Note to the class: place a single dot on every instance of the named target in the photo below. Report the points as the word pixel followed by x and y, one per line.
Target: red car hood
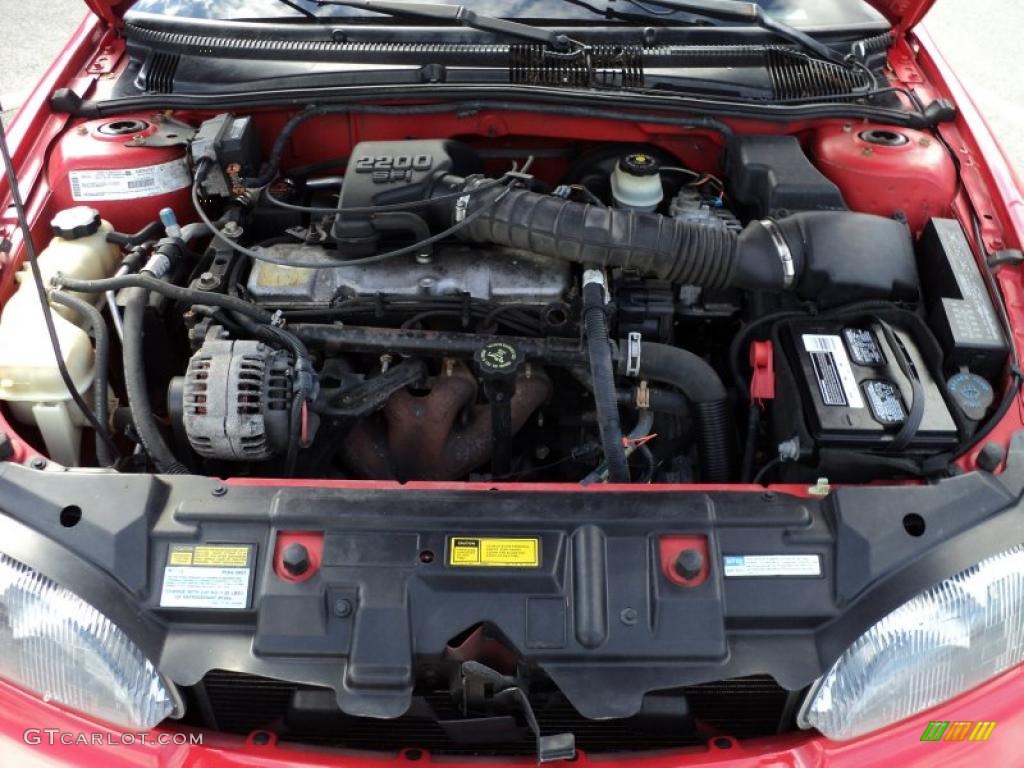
pixel 903 14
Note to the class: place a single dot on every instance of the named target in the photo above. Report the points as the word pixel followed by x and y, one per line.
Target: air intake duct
pixel 830 257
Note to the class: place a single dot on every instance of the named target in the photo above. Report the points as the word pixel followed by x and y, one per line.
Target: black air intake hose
pixel 656 245
pixel 830 257
pixel 700 383
pixel 602 374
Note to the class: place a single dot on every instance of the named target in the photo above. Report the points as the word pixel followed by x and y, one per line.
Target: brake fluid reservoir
pixel 30 381
pixel 636 183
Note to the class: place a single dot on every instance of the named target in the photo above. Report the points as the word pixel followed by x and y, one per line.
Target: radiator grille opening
pixel 240 704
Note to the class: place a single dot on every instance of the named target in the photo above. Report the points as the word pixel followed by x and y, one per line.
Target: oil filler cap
pixel 74 223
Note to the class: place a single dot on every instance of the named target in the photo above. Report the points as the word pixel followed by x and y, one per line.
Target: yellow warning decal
pixel 237 557
pixel 212 555
pixel 494 553
pixel 180 556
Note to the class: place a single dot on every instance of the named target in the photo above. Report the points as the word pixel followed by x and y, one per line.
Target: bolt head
pixel 342 608
pixel 295 559
pixel 991 457
pixel 689 564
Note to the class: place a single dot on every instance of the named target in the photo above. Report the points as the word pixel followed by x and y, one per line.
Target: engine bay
pixel 504 297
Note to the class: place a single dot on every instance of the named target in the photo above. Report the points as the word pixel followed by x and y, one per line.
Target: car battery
pixel 854 391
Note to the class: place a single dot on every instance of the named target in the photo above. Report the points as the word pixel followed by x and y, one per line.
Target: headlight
pixel 59 646
pixel 942 643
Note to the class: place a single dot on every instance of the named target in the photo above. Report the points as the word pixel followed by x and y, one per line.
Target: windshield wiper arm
pixel 460 15
pixel 751 13
pixel 296 7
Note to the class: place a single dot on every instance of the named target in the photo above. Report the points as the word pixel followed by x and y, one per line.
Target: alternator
pixel 237 399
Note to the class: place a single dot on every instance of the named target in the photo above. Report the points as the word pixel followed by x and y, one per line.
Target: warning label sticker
pixel 833 371
pixel 494 552
pixel 207 576
pixel 886 402
pixel 863 347
pixel 129 183
pixel 771 566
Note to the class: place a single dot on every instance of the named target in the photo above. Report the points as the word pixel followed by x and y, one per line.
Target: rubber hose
pixel 678 251
pixel 136 301
pixel 101 382
pixel 602 372
pixel 661 401
pixel 714 441
pixel 830 257
pixel 156 285
pixel 702 386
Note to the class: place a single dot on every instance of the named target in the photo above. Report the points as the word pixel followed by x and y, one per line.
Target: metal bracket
pixel 478 680
pixel 368 396
pixel 169 133
pixel 634 349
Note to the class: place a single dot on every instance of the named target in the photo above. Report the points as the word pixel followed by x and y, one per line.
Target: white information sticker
pixel 833 371
pixel 130 183
pixel 207 576
pixel 193 586
pixel 771 566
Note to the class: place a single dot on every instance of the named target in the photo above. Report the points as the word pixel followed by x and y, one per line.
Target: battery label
pixel 207 576
pixel 833 371
pixel 494 552
pixel 886 402
pixel 771 566
pixel 863 347
pixel 129 183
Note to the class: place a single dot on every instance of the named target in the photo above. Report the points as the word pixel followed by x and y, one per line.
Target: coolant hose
pixel 702 386
pixel 136 301
pixel 602 372
pixel 101 381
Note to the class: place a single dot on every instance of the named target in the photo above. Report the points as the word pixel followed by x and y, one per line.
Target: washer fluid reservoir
pixel 30 381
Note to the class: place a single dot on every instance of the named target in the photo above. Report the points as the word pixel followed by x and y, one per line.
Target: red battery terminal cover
pixel 762 366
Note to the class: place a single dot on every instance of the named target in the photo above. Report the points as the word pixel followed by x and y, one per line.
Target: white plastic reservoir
pixel 30 381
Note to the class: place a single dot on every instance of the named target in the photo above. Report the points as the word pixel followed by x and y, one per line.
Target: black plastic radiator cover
pixel 586 599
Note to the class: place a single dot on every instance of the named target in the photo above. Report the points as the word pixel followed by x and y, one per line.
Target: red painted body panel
pixel 899 745
pixel 92 146
pixel 110 11
pixel 917 178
